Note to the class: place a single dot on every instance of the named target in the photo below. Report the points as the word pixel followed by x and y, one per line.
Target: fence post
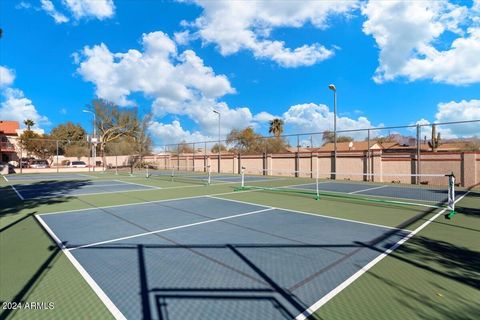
pixel 193 157
pixel 368 155
pixel 417 180
pixel 57 153
pixel 21 156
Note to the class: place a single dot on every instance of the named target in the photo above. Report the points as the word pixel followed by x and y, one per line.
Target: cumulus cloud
pixel 177 82
pixel 264 117
pixel 15 106
pixel 49 8
pixel 99 9
pixel 453 111
pixel 7 76
pixel 311 117
pixel 235 25
pixel 173 133
pixel 408 34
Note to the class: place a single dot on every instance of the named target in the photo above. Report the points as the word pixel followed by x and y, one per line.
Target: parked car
pixel 77 164
pixel 39 164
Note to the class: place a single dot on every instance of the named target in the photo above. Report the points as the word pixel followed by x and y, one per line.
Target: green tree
pixel 276 127
pixel 216 147
pixel 29 123
pixel 245 141
pixel 114 123
pixel 71 139
pixel 329 137
pixel 249 142
pixel 37 145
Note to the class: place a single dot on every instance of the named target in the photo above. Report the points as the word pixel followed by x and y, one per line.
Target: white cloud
pixel 238 25
pixel 452 112
pixel 15 106
pixel 174 133
pixel 408 34
pixel 310 117
pixel 7 76
pixel 49 8
pixel 264 117
pixel 177 82
pixel 99 9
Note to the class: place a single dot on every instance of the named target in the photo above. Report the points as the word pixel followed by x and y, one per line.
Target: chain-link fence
pixel 415 149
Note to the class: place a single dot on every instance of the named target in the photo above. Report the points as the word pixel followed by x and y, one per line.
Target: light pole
pixel 332 87
pixel 219 156
pixel 94 139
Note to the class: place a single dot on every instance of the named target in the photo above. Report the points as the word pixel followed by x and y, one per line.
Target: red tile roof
pixel 9 127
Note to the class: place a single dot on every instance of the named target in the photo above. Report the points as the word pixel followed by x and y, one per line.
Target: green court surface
pixel 434 274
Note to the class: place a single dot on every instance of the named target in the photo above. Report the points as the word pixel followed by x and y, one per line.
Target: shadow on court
pixel 12 204
pixel 25 250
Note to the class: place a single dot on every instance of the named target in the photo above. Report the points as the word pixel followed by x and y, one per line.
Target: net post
pixel 173 173
pixel 147 172
pixel 451 196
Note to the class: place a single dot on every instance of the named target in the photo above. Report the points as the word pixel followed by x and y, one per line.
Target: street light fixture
pixel 219 153
pixel 334 89
pixel 94 139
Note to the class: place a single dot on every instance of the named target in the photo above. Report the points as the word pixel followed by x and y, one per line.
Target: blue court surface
pixel 48 176
pixel 45 189
pixel 212 258
pixel 399 192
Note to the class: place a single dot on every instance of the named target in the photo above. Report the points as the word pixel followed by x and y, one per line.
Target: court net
pixel 190 175
pixel 429 190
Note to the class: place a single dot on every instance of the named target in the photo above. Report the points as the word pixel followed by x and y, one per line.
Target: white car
pixel 77 164
pixel 39 164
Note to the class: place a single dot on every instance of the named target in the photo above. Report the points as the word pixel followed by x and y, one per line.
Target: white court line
pixel 86 175
pixel 90 186
pixel 5 178
pixel 169 229
pixel 368 189
pixel 146 202
pixel 139 184
pixel 310 213
pixel 95 287
pixel 317 305
pixel 18 193
pixel 87 194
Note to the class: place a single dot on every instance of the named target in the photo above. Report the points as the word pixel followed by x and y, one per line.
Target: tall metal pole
pixel 219 149
pixel 334 89
pixel 57 153
pixel 94 142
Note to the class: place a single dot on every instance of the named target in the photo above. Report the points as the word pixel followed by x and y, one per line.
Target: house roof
pixel 9 127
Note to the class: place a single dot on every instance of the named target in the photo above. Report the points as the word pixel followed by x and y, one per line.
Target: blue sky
pixel 392 62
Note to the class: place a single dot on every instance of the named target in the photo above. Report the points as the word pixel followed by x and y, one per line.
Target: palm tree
pixel 276 127
pixel 29 123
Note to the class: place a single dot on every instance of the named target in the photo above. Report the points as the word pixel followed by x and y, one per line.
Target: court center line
pixel 18 193
pixel 4 177
pixel 95 287
pixel 317 305
pixel 169 229
pixel 368 189
pixel 310 214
